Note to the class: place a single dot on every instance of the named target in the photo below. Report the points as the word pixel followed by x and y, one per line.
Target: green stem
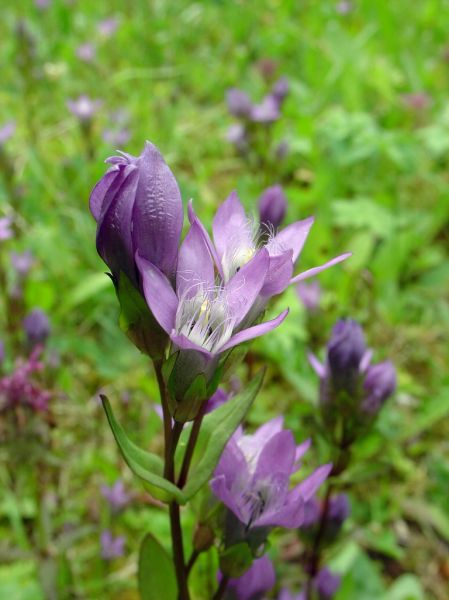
pixel 171 435
pixel 191 447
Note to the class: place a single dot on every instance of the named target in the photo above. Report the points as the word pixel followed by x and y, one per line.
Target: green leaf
pixel 144 464
pixel 406 587
pixel 157 580
pixel 217 428
pixel 190 405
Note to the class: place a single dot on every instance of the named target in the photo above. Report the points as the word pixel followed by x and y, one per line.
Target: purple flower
pixel 22 262
pixel 37 326
pixel 309 294
pixel 237 135
pixel 349 381
pixel 216 400
pixel 42 4
pixel 107 27
pixel 5 228
pixel 339 509
pixel 344 7
pixel 272 207
pixel 380 384
pixel 111 547
pixel 254 584
pixel 115 137
pixel 236 243
pixel 84 108
pixel 253 475
pixel 116 495
pixel 417 101
pixel 86 52
pixel 7 131
pixel 239 103
pixel 312 512
pixel 267 111
pixel 21 389
pixel 326 584
pixel 138 208
pixel 280 90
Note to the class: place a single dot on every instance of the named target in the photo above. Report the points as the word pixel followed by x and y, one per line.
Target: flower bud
pixel 272 207
pixel 344 355
pixel 326 584
pixel 37 327
pixel 380 383
pixel 137 205
pixel 281 90
pixel 203 538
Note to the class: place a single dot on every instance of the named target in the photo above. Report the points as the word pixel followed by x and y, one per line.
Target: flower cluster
pixel 206 295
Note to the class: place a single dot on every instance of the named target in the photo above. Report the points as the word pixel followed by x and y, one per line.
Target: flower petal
pixel 183 342
pixel 307 488
pixel 280 272
pixel 290 515
pixel 292 237
pixel 193 218
pixel 277 457
pixel 316 365
pixel 220 489
pixel 158 212
pixel 195 266
pixel 253 332
pixel 99 192
pixel 159 294
pixel 316 270
pixel 230 226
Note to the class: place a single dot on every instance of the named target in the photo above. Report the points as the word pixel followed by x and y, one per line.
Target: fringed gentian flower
pixel 254 584
pixel 236 243
pixel 253 475
pixel 352 389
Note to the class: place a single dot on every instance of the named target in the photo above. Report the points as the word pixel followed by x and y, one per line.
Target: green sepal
pixel 147 466
pixel 236 560
pixel 188 408
pixel 217 427
pixel 156 573
pixel 137 321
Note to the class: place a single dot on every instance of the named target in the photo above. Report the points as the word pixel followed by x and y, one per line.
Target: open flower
pixel 253 475
pixel 200 314
pixel 236 243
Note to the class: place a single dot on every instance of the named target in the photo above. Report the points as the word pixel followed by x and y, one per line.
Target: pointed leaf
pixel 218 426
pixel 144 464
pixel 157 580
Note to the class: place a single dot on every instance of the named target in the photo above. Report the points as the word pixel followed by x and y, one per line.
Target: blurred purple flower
pixel 237 135
pixel 254 584
pixel 7 131
pixel 216 400
pixel 344 7
pixel 2 352
pixel 116 137
pixel 37 326
pixel 312 512
pixel 138 208
pixel 280 90
pixel 253 475
pixel 326 584
pixel 116 495
pixel 417 101
pixel 5 228
pixel 107 27
pixel 309 294
pixel 86 52
pixel 239 103
pixel 267 111
pixel 111 547
pixel 84 108
pixel 282 149
pixel 272 208
pixel 42 4
pixel 22 262
pixel 379 384
pixel 20 388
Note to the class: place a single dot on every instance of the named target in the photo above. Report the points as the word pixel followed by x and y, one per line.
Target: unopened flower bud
pixel 203 537
pixel 37 327
pixel 272 207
